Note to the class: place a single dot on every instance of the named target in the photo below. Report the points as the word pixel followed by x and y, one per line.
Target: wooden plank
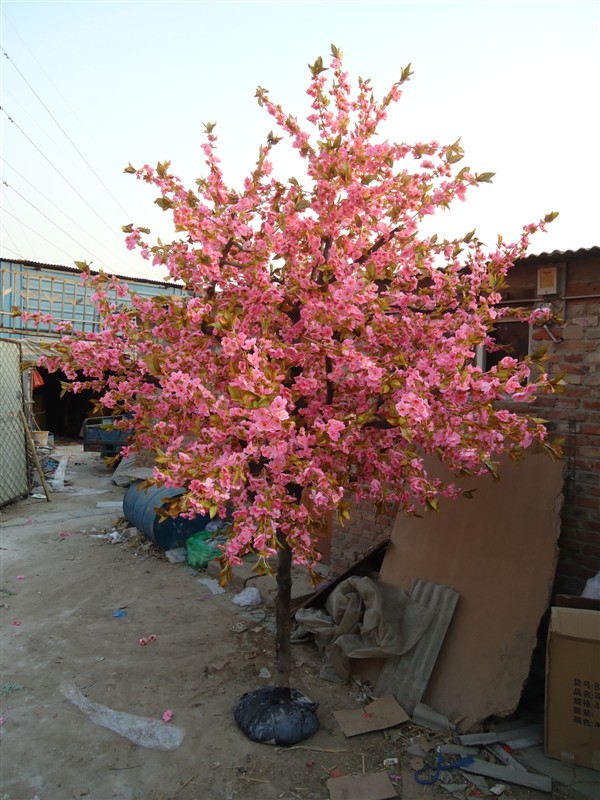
pixel 34 455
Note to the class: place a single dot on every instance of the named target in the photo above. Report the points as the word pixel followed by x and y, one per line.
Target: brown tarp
pixel 365 619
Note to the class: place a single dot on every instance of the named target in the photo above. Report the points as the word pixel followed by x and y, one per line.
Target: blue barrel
pixel 139 507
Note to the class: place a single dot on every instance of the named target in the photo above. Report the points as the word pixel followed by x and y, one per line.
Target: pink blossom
pixel 322 341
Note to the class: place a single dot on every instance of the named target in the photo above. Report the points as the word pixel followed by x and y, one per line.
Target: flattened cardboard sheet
pixel 377 786
pixel 381 713
pixel 498 550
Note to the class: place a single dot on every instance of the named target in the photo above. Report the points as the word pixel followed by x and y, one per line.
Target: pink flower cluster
pixel 323 345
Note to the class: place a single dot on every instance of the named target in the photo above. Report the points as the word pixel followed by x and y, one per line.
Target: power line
pixel 56 225
pixel 14 216
pixel 9 250
pixel 71 142
pixel 5 211
pixel 81 197
pixel 9 236
pixel 56 88
pixel 64 213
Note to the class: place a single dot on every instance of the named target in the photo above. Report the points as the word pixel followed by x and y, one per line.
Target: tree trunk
pixel 283 650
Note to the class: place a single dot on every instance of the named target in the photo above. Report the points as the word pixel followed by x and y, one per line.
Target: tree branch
pixel 329 382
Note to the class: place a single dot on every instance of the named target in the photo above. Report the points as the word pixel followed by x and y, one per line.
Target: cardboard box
pixel 572 719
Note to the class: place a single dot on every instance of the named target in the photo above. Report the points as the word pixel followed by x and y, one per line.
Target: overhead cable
pixel 65 134
pixel 14 216
pixel 81 197
pixel 48 200
pixel 56 225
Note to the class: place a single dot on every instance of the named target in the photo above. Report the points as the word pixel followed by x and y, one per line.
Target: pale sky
pixel 92 86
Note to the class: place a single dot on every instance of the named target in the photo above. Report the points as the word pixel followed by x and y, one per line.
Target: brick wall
pixel 366 527
pixel 573 415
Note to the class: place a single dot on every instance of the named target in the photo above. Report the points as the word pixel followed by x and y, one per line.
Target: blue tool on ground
pixel 429 775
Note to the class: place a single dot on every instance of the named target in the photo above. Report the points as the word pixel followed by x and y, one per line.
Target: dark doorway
pixel 63 416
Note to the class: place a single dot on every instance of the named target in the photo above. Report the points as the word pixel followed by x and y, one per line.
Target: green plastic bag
pixel 199 552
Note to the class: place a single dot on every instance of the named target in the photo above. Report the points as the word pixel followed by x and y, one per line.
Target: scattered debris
pixel 239 627
pixel 509 775
pixel 146 732
pixel 250 596
pixel 430 773
pixel 376 786
pixel 176 556
pixel 426 717
pixel 58 481
pixel 212 584
pixel 120 613
pixel 9 688
pixel 382 713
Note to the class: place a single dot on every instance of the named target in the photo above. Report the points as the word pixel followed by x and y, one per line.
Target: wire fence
pixel 13 448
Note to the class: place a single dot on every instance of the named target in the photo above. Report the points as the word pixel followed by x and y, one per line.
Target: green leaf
pixel 317 67
pixel 432 504
pixel 130 170
pixel 406 73
pixel 485 177
pixel 551 216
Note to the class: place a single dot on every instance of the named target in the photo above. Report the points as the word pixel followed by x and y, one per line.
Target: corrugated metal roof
pixel 561 255
pixel 74 270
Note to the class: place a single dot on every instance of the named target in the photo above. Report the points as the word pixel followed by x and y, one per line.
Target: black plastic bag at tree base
pixel 276 715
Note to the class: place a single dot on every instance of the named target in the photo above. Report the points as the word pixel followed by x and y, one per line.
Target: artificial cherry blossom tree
pixel 325 347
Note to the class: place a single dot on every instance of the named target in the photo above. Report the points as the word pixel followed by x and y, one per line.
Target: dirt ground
pixel 63 583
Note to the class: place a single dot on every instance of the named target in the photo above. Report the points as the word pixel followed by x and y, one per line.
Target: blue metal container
pixel 140 506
